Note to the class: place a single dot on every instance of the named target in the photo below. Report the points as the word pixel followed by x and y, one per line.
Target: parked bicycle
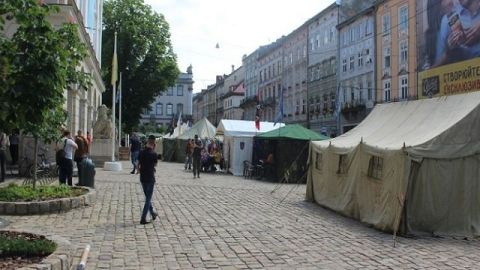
pixel 47 172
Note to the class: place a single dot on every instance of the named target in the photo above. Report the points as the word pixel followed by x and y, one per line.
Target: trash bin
pixel 88 173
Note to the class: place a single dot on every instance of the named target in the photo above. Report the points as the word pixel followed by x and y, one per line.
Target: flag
pixel 114 62
pixel 119 94
pixel 257 114
pixel 279 116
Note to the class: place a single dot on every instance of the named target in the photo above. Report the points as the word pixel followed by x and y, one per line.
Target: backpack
pixel 60 154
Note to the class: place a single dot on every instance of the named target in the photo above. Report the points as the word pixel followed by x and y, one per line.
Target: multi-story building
pixel 248 104
pixel 356 78
pixel 197 106
pixel 211 100
pixel 294 77
pixel 230 83
pixel 270 71
pixel 231 102
pixel 322 71
pixel 175 100
pixel 396 53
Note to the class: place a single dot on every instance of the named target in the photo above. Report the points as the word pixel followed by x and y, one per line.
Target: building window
pixel 344 65
pixel 332 34
pixel 375 167
pixel 403 52
pixel 369 29
pixel 342 164
pixel 318 161
pixel 386 24
pixel 159 109
pixel 386 58
pixel 369 89
pixel 360 60
pixel 352 62
pixel 403 18
pixel 180 90
pixel 386 91
pixel 170 91
pixel 169 109
pixel 404 87
pixel 312 44
pixel 352 34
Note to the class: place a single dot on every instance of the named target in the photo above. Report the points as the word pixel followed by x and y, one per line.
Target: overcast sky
pixel 239 27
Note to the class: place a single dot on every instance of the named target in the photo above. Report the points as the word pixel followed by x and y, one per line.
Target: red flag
pixel 257 114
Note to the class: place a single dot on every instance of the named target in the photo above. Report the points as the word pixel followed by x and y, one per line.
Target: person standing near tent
pixel 135 146
pixel 147 161
pixel 189 152
pixel 197 150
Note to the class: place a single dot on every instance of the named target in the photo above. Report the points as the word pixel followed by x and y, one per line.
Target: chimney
pixel 219 79
pixel 233 68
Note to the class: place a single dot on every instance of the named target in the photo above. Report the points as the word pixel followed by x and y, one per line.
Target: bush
pixel 25 245
pixel 14 193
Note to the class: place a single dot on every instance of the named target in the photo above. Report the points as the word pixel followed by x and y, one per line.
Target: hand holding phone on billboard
pixel 457 37
pixel 472 34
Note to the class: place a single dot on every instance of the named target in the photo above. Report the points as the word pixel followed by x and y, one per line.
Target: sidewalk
pixel 225 222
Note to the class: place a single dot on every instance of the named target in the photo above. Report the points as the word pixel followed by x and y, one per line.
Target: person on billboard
pixel 459 32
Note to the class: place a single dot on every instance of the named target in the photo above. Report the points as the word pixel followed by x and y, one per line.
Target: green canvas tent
pixel 289 146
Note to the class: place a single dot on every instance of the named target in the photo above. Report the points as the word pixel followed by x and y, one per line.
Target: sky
pixel 237 26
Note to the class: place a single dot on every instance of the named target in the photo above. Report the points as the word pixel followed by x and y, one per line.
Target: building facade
pixel 231 102
pixel 396 54
pixel 322 71
pixel 270 71
pixel 356 78
pixel 294 77
pixel 248 104
pixel 174 101
pixel 230 83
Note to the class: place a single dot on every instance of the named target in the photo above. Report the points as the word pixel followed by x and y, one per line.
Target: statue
pixel 102 129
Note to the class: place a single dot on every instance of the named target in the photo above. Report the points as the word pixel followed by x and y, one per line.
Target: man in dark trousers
pixel 147 161
pixel 135 146
pixel 197 153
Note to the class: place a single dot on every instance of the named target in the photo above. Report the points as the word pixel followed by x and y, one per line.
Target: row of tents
pixel 410 167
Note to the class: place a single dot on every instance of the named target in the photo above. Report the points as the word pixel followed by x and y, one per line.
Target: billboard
pixel 448 38
pixel 349 8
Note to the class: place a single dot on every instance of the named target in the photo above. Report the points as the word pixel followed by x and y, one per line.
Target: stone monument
pixel 101 148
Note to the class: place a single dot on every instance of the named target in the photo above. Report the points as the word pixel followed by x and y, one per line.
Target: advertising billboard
pixel 448 37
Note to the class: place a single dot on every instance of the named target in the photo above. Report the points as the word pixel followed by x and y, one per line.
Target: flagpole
pixel 114 84
pixel 120 109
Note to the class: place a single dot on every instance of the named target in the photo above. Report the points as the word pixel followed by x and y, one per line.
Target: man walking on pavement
pixel 147 161
pixel 135 146
pixel 4 144
pixel 197 153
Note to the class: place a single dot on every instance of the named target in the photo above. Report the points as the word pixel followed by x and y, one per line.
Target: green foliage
pixel 145 55
pixel 39 63
pixel 21 245
pixel 14 193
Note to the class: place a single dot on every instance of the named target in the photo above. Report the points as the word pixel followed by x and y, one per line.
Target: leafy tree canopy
pixel 145 55
pixel 36 65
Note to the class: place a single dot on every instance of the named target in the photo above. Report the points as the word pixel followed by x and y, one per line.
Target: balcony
pixel 270 101
pixel 354 106
pixel 248 101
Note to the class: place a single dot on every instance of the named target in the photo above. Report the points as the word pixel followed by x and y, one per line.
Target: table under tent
pixel 411 167
pixel 203 128
pixel 238 141
pixel 289 146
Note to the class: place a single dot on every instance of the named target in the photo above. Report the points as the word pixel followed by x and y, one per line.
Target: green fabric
pixel 293 132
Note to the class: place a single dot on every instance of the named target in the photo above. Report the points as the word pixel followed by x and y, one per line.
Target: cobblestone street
pixel 226 222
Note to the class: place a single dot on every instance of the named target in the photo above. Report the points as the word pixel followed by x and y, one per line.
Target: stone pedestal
pixel 101 151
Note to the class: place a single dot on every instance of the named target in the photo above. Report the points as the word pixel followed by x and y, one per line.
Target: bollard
pixel 83 260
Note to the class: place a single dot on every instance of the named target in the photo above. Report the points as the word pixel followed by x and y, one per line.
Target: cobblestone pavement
pixel 226 222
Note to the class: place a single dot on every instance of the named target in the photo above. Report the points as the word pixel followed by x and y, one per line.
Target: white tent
pixel 413 166
pixel 238 141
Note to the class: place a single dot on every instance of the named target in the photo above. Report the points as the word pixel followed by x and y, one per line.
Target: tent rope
pixel 278 185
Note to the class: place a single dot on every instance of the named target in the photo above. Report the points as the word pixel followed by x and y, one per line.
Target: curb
pixel 48 207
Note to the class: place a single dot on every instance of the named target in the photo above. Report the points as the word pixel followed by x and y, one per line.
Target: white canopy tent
pixel 238 141
pixel 413 166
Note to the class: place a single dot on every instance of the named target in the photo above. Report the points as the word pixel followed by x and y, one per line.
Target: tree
pixel 39 63
pixel 145 55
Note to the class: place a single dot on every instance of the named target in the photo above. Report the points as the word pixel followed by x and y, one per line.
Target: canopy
pixel 295 131
pixel 413 166
pixel 179 130
pixel 242 128
pixel 203 128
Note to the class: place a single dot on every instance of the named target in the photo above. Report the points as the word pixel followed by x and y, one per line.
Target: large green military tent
pixel 289 146
pixel 410 166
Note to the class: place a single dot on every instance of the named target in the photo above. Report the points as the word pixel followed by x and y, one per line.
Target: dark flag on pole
pixel 171 126
pixel 258 112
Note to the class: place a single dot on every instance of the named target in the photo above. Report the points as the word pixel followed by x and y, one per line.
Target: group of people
pixel 74 149
pixel 204 156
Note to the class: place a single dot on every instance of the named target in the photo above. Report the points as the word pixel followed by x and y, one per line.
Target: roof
pixel 446 126
pixel 296 132
pixel 202 128
pixel 242 128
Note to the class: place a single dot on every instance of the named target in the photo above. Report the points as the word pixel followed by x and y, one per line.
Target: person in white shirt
pixel 66 166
